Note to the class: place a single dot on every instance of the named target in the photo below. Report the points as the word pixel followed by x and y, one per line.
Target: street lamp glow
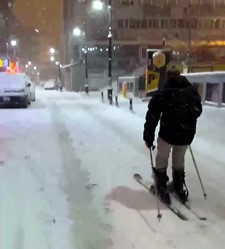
pixel 37 30
pixel 13 43
pixel 52 58
pixel 97 5
pixel 35 68
pixel 26 66
pixel 57 63
pixel 52 50
pixel 76 32
pixel 29 63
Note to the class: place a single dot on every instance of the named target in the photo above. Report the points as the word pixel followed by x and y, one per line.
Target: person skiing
pixel 178 107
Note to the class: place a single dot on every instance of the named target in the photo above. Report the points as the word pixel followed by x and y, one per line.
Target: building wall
pixel 154 20
pixel 138 24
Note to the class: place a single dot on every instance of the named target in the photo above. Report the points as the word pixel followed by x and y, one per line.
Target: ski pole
pixel 159 215
pixel 199 177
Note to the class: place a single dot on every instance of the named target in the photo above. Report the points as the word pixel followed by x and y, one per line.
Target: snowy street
pixel 66 178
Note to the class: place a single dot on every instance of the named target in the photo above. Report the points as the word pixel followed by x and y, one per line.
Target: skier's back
pixel 177 107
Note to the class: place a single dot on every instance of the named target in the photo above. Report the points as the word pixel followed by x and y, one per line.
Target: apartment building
pixel 188 27
pixel 179 23
pixel 148 23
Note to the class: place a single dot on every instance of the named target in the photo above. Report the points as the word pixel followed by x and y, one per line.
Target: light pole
pixel 98 5
pixel 14 44
pixel 77 32
pixel 53 53
pixel 110 89
pixel 189 23
pixel 86 69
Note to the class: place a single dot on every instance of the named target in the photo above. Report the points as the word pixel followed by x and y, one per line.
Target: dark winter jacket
pixel 177 107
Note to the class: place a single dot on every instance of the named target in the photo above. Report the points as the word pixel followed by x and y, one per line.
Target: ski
pixel 185 204
pixel 173 209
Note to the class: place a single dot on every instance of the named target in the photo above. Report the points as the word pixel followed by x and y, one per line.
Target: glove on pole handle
pixel 159 215
pixel 199 177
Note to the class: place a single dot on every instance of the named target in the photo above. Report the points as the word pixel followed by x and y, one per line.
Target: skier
pixel 178 107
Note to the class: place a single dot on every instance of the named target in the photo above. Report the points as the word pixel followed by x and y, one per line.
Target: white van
pixel 14 89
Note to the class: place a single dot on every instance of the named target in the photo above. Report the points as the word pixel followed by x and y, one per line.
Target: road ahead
pixel 66 166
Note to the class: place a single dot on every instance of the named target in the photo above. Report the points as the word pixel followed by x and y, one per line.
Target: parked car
pixel 14 89
pixel 50 85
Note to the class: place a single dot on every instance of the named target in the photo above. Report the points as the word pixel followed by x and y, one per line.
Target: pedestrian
pixel 177 107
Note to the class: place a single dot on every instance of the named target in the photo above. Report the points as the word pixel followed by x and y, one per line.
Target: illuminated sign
pixel 4 62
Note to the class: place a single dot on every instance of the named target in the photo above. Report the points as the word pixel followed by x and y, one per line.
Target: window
pixel 173 23
pixel 144 24
pixel 200 24
pixel 194 23
pixel 135 24
pixel 120 23
pixel 155 24
pixel 150 23
pixel 216 23
pixel 181 23
pixel 127 2
pixel 164 24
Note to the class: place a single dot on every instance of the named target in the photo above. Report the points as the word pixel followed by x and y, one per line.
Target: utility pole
pixel 110 89
pixel 86 66
pixel 189 35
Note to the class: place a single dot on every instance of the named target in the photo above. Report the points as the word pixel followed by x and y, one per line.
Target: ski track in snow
pixel 66 167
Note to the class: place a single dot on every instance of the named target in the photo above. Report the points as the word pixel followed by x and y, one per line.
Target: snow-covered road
pixel 66 167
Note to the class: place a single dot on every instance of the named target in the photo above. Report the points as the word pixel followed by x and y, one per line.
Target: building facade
pixel 192 28
pixel 150 22
pixel 180 23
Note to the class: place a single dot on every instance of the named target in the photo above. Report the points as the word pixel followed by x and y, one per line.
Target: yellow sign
pixel 124 89
pixel 1 63
pixel 152 81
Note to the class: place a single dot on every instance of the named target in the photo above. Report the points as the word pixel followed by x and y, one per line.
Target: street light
pixel 97 5
pixel 35 68
pixel 77 31
pixel 26 66
pixel 13 43
pixel 29 63
pixel 52 50
pixel 52 58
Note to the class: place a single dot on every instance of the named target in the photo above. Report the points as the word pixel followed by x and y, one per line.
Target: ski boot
pixel 179 185
pixel 161 179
